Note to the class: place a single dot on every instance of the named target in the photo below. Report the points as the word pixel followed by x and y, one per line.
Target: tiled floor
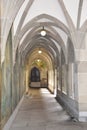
pixel 40 111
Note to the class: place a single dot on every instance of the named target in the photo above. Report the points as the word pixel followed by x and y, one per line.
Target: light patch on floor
pixel 40 111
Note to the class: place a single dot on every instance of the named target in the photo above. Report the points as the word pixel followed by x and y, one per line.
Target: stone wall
pixel 6 108
pixel 81 56
pixel 67 86
pixel 12 81
pixel 0 69
pixel 0 89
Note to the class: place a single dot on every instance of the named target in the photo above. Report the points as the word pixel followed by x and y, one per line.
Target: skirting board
pixel 83 116
pixel 12 117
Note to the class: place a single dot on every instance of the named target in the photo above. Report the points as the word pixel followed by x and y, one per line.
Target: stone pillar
pixel 81 58
pixel 0 87
pixel 56 82
pixel 0 75
pixel 27 78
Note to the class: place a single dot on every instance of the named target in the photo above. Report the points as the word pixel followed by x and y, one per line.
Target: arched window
pixel 35 75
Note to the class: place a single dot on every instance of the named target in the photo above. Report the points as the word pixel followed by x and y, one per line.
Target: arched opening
pixel 59 56
pixel 41 76
pixel 35 75
pixel 43 63
pixel 61 67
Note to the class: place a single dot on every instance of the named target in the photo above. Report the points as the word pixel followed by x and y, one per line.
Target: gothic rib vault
pixel 64 51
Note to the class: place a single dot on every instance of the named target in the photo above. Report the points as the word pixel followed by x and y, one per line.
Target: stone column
pixel 27 78
pixel 0 88
pixel 56 81
pixel 0 72
pixel 81 58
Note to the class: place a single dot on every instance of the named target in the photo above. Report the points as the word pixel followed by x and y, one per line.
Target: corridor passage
pixel 40 111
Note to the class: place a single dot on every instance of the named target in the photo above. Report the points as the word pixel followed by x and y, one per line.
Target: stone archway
pixel 35 75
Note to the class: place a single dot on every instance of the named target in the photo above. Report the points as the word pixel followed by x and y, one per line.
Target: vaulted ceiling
pixel 59 17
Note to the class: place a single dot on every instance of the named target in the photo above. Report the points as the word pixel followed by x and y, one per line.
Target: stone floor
pixel 40 111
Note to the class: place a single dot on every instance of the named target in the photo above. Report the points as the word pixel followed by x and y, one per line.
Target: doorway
pixel 35 75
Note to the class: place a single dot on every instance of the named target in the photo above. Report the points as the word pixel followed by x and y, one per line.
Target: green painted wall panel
pixel 6 108
pixel 12 82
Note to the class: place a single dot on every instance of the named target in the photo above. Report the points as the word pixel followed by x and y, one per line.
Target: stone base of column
pixel 83 116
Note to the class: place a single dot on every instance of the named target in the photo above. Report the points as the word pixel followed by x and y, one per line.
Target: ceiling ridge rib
pixel 6 26
pixel 24 15
pixel 84 27
pixel 79 13
pixel 22 19
pixel 29 48
pixel 67 16
pixel 27 36
pixel 33 23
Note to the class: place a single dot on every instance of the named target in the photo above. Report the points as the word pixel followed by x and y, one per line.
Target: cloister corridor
pixel 43 64
pixel 40 111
